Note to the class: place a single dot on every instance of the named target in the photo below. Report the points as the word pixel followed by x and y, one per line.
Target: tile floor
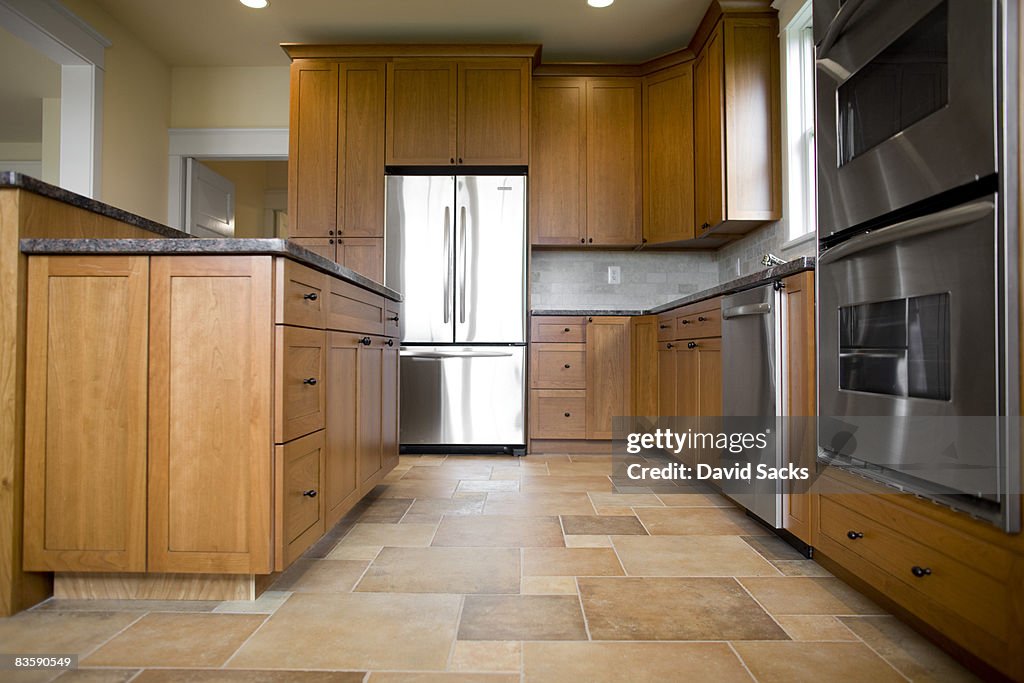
pixel 493 569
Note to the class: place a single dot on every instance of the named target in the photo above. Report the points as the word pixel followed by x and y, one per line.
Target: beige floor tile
pixel 908 651
pixel 424 488
pixel 267 603
pixel 799 595
pixel 448 677
pixel 795 662
pixel 97 676
pixel 354 552
pixel 571 562
pixel 522 617
pixel 227 676
pixel 564 484
pixel 487 655
pixel 538 504
pixel 421 460
pixel 499 532
pixel 446 473
pixel 606 511
pixel 443 570
pixel 161 639
pixel 381 511
pixel 470 486
pixel 633 662
pixel 701 521
pixel 621 500
pixel 463 505
pixel 773 548
pixel 673 609
pixel 580 468
pixel 548 585
pixel 690 556
pixel 815 627
pixel 694 499
pixel 588 541
pixel 78 633
pixel 355 631
pixel 390 535
pixel 808 568
pixel 321 576
pixel 593 525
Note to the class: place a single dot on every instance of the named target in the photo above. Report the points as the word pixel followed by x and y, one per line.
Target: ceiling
pixel 225 33
pixel 23 88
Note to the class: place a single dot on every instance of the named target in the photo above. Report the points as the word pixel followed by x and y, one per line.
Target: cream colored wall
pixel 252 180
pixel 229 97
pixel 21 151
pixel 136 114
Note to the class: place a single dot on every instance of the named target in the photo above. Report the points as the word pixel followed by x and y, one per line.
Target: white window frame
pixel 798 134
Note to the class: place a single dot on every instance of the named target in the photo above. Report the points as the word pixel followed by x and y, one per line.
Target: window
pixel 798 46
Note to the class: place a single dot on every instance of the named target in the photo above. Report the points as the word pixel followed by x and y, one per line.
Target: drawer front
pixel 392 318
pixel 299 515
pixel 558 366
pixel 699 324
pixel 302 295
pixel 554 329
pixel 353 309
pixel 300 382
pixel 929 573
pixel 558 414
pixel 667 326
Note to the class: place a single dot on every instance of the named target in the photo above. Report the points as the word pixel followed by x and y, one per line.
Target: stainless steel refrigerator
pixel 456 250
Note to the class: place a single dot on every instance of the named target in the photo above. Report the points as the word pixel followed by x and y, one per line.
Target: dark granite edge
pixel 793 267
pixel 208 247
pixel 20 181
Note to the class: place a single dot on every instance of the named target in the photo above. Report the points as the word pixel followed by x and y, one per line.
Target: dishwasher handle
pixel 745 310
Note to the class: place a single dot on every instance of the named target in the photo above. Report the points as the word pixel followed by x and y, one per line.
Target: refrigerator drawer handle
pixel 748 309
pixel 447 259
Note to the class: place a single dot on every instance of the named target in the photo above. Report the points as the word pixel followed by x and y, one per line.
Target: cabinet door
pixel 614 170
pixel 558 181
pixel 210 407
pixel 421 113
pixel 389 405
pixel 313 149
pixel 687 363
pixel 321 246
pixel 494 112
pixel 609 385
pixel 299 507
pixel 709 378
pixel 709 135
pixel 341 451
pixel 365 255
pixel 300 382
pixel 667 379
pixel 799 373
pixel 85 413
pixel 668 155
pixel 643 335
pixel 361 150
pixel 371 368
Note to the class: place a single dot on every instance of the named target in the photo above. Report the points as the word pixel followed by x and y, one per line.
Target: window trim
pixel 797 45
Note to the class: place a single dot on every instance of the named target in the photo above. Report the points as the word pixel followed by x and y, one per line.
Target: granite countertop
pixel 731 287
pixel 204 247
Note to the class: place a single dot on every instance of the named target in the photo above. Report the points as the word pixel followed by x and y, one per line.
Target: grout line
pixel 91 652
pixel 742 662
pixel 266 618
pixel 758 602
pixel 455 638
pixel 583 612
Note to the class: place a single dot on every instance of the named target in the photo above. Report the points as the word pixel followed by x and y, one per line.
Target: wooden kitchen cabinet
pixel 668 158
pixel 689 360
pixel 469 112
pixel 369 378
pixel 586 184
pixel 799 371
pixel 609 382
pixel 299 520
pixel 737 126
pixel 365 255
pixel 341 484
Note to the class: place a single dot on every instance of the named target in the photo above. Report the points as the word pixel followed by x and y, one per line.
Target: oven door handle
pixel 950 218
pixel 838 25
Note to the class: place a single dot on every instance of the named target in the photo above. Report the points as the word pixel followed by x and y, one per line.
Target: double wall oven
pixel 917 267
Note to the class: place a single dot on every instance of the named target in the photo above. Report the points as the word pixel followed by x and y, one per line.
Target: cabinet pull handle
pixel 568 415
pixel 310 493
pixel 365 341
pixel 567 366
pixel 393 318
pixel 312 296
pixel 691 345
pixel 854 535
pixel 311 381
pixel 663 327
pixel 920 572
pixel 390 342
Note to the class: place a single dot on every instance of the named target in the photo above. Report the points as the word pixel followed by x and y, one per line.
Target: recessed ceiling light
pixel 255 4
pixel 599 3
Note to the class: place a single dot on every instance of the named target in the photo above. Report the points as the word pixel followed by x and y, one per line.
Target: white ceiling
pixel 225 33
pixel 28 78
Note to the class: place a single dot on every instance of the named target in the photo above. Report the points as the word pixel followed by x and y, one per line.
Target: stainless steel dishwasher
pixel 752 392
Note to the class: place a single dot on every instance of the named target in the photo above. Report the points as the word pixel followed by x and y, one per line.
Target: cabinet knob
pixel 669 345
pixel 684 321
pixel 311 381
pixel 920 572
pixel 663 327
pixel 452 160
pixel 460 160
pixel 312 296
pixel 330 232
pixel 701 319
pixel 583 241
pixel 330 241
pixel 393 318
pixel 567 366
pixel 567 330
pixel 854 535
pixel 310 493
pixel 568 415
pixel 705 226
pixel 590 320
pixel 590 239
pixel 365 341
pixel 390 342
pixel 691 345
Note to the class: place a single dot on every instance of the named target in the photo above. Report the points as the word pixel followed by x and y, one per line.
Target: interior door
pixel 210 202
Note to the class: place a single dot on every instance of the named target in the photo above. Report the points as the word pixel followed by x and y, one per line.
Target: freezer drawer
pixel 465 395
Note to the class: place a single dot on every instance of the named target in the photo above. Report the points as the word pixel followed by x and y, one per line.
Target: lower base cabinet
pixel 180 421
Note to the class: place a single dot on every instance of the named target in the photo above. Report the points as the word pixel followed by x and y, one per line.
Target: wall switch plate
pixel 614 275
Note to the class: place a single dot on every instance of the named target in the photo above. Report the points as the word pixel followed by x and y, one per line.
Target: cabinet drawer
pixel 699 323
pixel 558 329
pixel 392 318
pixel 558 414
pixel 558 366
pixel 299 517
pixel 667 326
pixel 353 309
pixel 938 575
pixel 301 295
pixel 300 382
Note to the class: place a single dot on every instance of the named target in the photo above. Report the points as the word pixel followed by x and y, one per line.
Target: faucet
pixel 771 260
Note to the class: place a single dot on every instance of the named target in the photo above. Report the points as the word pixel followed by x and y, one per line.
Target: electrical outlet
pixel 614 275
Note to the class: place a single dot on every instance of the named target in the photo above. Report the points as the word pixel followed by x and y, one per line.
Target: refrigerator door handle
pixel 447 259
pixel 462 271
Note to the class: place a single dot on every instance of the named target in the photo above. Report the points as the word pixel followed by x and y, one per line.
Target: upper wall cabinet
pixel 668 155
pixel 470 112
pixel 586 172
pixel 737 126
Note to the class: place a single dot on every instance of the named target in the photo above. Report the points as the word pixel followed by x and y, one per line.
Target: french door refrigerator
pixel 456 250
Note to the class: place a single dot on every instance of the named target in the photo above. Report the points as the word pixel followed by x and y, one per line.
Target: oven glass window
pixel 898 347
pixel 902 85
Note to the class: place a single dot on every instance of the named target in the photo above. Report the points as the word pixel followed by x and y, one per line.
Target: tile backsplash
pixel 743 257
